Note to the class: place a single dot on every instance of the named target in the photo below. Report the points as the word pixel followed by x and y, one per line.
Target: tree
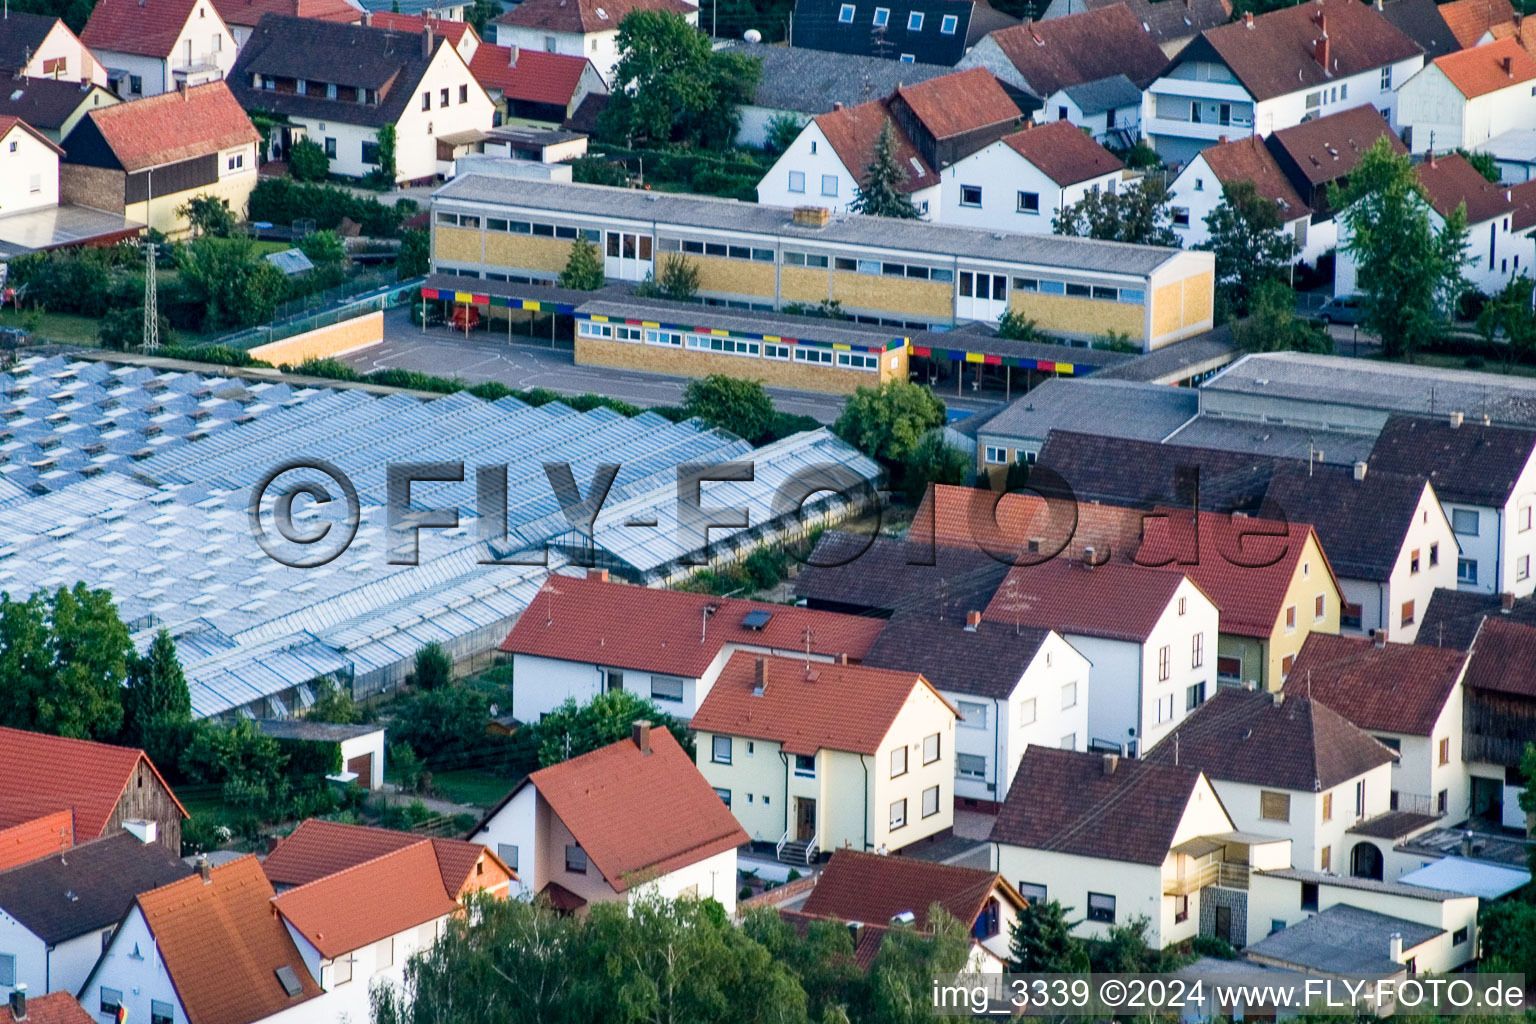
pixel 583 268
pixel 157 690
pixel 901 979
pixel 415 257
pixel 232 283
pixel 934 461
pixel 822 959
pixel 880 193
pixel 235 753
pixel 333 704
pixel 783 129
pixel 1137 214
pixel 740 406
pixel 64 658
pixel 1527 798
pixel 679 278
pixel 1507 930
pixel 1042 941
pixel 123 329
pixel 1018 327
pixel 323 248
pixel 1510 313
pixel 434 668
pixel 1409 273
pixel 574 729
pixel 307 161
pixel 384 176
pixel 1273 326
pixel 209 216
pixel 443 726
pixel 889 422
pixel 480 14
pixel 1482 163
pixel 1249 242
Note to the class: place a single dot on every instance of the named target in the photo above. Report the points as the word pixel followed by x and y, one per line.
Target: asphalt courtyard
pixel 524 363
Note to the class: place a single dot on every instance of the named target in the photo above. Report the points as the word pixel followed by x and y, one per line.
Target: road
pixel 484 356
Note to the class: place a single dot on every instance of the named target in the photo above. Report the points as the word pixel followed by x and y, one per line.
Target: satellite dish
pixel 752 35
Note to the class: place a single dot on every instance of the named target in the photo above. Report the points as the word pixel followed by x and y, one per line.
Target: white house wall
pixel 29 177
pixel 755 122
pixel 713 878
pixel 31 957
pixel 810 155
pixel 1001 174
pixel 516 825
pixel 417 130
pixel 132 965
pixel 79 64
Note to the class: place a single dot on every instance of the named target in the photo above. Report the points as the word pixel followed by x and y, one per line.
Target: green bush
pixel 283 201
pixel 307 161
pixel 221 355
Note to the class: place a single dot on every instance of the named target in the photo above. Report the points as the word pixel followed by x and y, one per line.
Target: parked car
pixel 1342 309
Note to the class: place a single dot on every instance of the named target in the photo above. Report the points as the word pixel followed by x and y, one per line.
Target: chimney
pixel 972 621
pixel 367 19
pixel 811 216
pixel 1111 762
pixel 1507 64
pixel 1379 637
pixel 142 830
pixel 1088 553
pixel 272 844
pixel 842 659
pixel 1395 947
pixel 1466 844
pixel 426 41
pixel 181 87
pixel 512 52
pixel 1457 419
pixel 760 678
pixel 640 732
pixel 1506 602
pixel 1360 468
pixel 837 104
pixel 1279 697
pixel 1320 51
pixel 1248 19
pixel 1221 140
pixel 204 868
pixel 854 928
pixel 601 575
pixel 19 1002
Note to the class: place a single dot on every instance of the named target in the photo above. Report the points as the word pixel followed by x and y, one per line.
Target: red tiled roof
pixel 174 126
pixel 866 887
pixel 1524 197
pixel 593 621
pixel 963 102
pixel 222 945
pixel 853 132
pixel 41 774
pixel 1468 20
pixel 319 848
pixel 984 520
pixel 1396 687
pixel 866 946
pixel 1503 658
pixel 1116 600
pixel 584 15
pixel 53 1008
pixel 149 28
pixel 1250 160
pixel 453 31
pixel 1084 47
pixel 537 77
pixel 366 902
pixel 1480 70
pixel 639 815
pixel 7 122
pixel 249 12
pixel 1063 153
pixel 32 840
pixel 833 707
pixel 1450 181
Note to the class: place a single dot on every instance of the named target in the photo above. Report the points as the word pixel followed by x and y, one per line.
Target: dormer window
pixel 882 17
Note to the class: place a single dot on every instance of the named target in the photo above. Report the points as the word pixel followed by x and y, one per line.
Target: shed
pixel 362 746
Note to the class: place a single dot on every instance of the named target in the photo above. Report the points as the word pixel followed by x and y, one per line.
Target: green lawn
pixel 467 786
pixel 63 328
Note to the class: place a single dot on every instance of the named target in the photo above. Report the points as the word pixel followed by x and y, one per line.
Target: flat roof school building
pixel 909 276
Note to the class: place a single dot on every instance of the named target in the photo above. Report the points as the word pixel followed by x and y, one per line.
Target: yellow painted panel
pixel 804 284
pixel 895 295
pixel 690 363
pixel 524 252
pixel 461 245
pixel 1198 298
pixel 737 277
pixel 1080 316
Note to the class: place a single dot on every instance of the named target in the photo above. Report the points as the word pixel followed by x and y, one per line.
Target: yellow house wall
pixel 347 336
pixel 1303 593
pixel 461 245
pixel 898 295
pixel 924 714
pixel 1183 307
pixel 522 252
pixel 160 211
pixel 739 277
pixel 759 774
pixel 1080 316
pixel 689 363
pixel 805 284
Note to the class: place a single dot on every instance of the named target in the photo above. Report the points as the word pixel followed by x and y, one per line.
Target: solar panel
pixel 289 980
pixel 756 619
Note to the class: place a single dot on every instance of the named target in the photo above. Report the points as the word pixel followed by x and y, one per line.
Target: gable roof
pixel 812 81
pixel 1266 739
pixel 1399 688
pixel 342 911
pixel 591 620
pixel 453 31
pixel 1470 20
pixel 40 774
pixel 1003 525
pixel 1503 658
pixel 1327 148
pixel 43 102
pixel 31 840
pixel 87 888
pixel 1145 473
pixel 866 887
pixel 1422 21
pixel 638 815
pixel 1113 601
pixel 23 36
pixel 797 709
pixel 1450 181
pixel 1480 70
pixel 584 15
pixel 248 13
pixel 986 660
pixel 149 28
pixel 818 24
pixel 853 133
pixel 1472 463
pixel 1362 524
pixel 1063 152
pixel 1084 47
pixel 222 945
pixel 1342 938
pixel 537 77
pixel 1103 94
pixel 1454 616
pixel 1170 22
pixel 912 575
pixel 173 126
pixel 1249 159
pixel 9 122
pixel 1277 53
pixel 954 104
pixel 1094 805
pixel 318 848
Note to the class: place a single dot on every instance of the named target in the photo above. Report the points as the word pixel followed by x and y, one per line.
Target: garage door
pixel 363 766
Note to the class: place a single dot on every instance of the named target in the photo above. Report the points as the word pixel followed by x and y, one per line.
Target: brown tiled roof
pixel 1083 47
pixel 248 13
pixel 899 576
pixel 1454 616
pixel 222 945
pixel 1523 196
pixel 986 660
pixel 985 521
pixel 149 28
pixel 593 621
pixel 1468 20
pixel 1278 53
pixel 1503 658
pixel 1480 70
pixel 853 133
pixel 1394 825
pixel 1065 801
pixel 346 910
pixel 1146 473
pixel 45 103
pixel 29 840
pixel 66 895
pixel 1420 20
pixel 1168 22
pixel 1063 152
pixel 453 31
pixel 1395 688
pixel 584 15
pixel 1472 463
pixel 1250 160
pixel 318 848
pixel 1362 524
pixel 869 888
pixel 1265 739
pixel 40 774
pixel 174 126
pixel 1450 181
pixel 53 1008
pixel 1327 148
pixel 831 707
pixel 639 815
pixel 1115 601
pixel 963 102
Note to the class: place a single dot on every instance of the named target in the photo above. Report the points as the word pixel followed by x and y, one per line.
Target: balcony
pixel 1220 873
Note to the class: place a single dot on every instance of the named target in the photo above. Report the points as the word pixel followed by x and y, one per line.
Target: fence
pixel 395 293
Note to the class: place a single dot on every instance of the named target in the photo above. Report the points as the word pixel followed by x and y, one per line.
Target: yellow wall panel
pixel 1080 316
pixel 893 294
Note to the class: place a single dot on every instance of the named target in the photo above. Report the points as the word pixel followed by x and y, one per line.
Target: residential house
pixel 801 83
pixel 317 849
pixel 437 10
pixel 1013 687
pixel 1146 633
pixel 1499 718
pixel 53 108
pixel 360 748
pixel 353 941
pixel 460 33
pixel 1130 410
pixel 813 757
pixel 911 31
pixel 149 49
pixel 1325 922
pixel 1454 616
pixel 937 123
pixel 108 788
pixel 1201 185
pixel 54 1008
pixel 1486 482
pixel 882 576
pixel 1423 22
pixel 1475 22
pixel 626 822
pixel 1262 74
pixel 1464 99
pixel 416 82
pixel 864 887
pixel 574 642
pixel 147 159
pixel 206 950
pixel 58 912
pixel 242 16
pixel 1387 537
pixel 1409 698
pixel 1169 26
pixel 29 168
pixel 1022 181
pixel 1114 839
pixel 584 28
pixel 1288 765
pixel 39 46
pixel 532 85
pixel 1514 154
pixel 1059 65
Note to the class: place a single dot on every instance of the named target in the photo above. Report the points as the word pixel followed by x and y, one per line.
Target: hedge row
pixel 283 201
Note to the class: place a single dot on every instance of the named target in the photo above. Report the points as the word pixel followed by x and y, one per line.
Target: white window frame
pixel 715 749
pixel 829 185
pixel 882 17
pixel 915 21
pixel 898 761
pixel 967 721
pixel 668 681
pixel 971 766
pixel 845 14
pixel 932 739
pixel 932 791
pixel 1069 695
pixel 1028 712
pixel 949 25
pixel 793 186
pixel 967 202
